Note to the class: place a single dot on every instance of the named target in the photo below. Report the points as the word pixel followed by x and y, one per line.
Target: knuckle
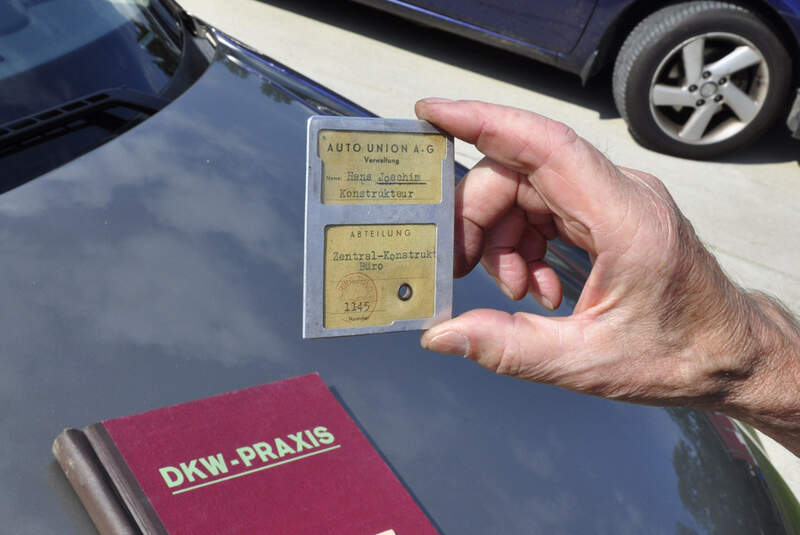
pixel 675 227
pixel 487 133
pixel 559 135
pixel 509 362
pixel 667 224
pixel 667 216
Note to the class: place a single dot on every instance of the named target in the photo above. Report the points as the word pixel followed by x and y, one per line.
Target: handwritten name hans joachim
pixel 381 167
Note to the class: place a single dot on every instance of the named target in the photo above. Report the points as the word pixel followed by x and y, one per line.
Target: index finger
pixel 572 177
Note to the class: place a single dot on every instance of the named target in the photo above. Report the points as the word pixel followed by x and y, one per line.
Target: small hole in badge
pixel 404 292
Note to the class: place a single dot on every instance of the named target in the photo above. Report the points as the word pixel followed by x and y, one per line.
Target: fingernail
pixel 449 342
pixel 435 100
pixel 505 289
pixel 545 302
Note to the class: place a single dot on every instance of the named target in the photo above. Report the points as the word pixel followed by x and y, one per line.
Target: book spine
pixel 132 496
pixel 85 473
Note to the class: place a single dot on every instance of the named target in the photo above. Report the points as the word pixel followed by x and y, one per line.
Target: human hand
pixel 657 321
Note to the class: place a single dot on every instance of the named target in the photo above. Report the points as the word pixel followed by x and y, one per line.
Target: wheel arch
pixel 633 14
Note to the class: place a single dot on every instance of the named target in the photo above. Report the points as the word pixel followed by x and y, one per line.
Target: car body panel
pixel 472 31
pixel 792 19
pixel 572 35
pixel 166 266
pixel 551 24
pixel 599 32
pixel 789 7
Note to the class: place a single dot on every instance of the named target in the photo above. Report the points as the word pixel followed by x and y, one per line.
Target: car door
pixel 552 24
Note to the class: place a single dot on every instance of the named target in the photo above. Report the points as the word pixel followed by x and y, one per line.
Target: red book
pixel 282 458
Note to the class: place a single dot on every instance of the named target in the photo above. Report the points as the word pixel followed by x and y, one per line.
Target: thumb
pixel 521 345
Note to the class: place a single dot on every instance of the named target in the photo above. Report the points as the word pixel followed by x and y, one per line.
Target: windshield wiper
pixel 42 126
pixel 43 140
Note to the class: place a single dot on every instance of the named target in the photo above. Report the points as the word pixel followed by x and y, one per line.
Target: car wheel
pixel 698 79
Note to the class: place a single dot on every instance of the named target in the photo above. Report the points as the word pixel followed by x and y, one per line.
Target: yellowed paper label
pixel 377 274
pixel 381 167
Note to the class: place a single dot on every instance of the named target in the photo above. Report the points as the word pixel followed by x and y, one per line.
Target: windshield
pixel 53 52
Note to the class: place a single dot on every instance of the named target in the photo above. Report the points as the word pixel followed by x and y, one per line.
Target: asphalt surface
pixel 745 207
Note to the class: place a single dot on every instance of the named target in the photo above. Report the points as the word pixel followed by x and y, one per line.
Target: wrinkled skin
pixel 657 322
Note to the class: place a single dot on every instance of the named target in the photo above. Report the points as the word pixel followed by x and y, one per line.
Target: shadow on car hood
pixel 167 266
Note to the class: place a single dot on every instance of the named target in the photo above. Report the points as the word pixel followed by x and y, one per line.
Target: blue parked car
pixel 693 79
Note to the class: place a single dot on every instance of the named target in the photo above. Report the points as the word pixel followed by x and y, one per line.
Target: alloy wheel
pixel 708 88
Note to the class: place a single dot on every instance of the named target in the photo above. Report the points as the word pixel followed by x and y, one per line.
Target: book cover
pixel 282 458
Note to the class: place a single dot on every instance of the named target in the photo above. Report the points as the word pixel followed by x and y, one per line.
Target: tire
pixel 677 94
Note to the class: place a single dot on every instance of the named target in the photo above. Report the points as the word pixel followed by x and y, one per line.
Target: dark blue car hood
pixel 166 266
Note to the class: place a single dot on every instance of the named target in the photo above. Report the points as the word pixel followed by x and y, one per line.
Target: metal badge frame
pixel 318 216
